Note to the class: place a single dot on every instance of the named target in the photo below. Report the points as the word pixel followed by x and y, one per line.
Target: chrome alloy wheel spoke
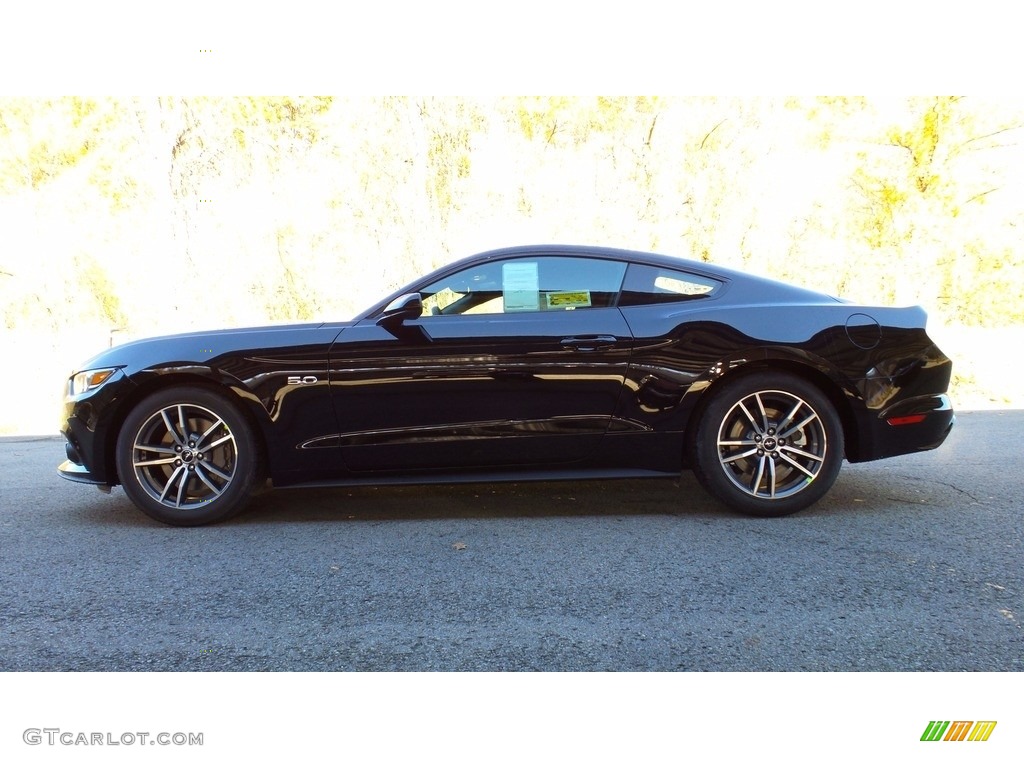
pixel 750 417
pixel 798 427
pixel 215 443
pixel 154 462
pixel 789 417
pixel 182 485
pixel 206 434
pixel 728 458
pixel 790 449
pixel 734 457
pixel 798 465
pixel 211 468
pixel 216 491
pixel 178 439
pixel 154 448
pixel 182 423
pixel 170 482
pixel 763 412
pixel 757 478
pixel 766 474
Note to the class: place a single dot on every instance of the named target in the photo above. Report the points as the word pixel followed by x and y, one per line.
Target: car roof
pixel 777 289
pixel 595 251
pixel 708 269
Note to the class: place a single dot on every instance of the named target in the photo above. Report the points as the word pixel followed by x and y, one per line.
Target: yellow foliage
pixel 895 197
pixel 94 279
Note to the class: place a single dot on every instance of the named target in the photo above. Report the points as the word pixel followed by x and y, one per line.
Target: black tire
pixel 188 456
pixel 768 444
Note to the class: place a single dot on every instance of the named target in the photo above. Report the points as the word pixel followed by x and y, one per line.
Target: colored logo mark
pixel 958 730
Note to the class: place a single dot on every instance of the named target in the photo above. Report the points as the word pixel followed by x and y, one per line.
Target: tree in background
pixel 191 211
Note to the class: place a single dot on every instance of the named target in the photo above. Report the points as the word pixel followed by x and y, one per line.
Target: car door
pixel 515 361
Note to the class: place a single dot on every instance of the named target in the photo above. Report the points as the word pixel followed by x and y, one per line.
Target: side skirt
pixel 461 478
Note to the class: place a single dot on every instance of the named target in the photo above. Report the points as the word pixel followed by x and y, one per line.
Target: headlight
pixel 86 381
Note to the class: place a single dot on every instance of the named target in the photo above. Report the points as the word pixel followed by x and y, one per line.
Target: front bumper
pixel 77 473
pixel 89 428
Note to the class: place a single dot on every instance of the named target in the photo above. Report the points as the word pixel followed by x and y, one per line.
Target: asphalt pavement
pixel 912 563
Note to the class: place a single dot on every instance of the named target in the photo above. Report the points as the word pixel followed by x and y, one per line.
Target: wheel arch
pixel 804 370
pixel 155 381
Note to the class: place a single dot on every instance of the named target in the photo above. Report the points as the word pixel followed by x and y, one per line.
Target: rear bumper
pixel 916 424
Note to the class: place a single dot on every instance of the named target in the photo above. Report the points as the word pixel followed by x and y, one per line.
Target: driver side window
pixel 529 284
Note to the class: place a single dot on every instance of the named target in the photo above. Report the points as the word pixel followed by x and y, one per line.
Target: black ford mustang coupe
pixel 539 362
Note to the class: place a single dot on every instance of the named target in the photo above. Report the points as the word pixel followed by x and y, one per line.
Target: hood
pixel 206 347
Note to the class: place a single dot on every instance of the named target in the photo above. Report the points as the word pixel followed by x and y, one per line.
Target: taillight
pixel 902 421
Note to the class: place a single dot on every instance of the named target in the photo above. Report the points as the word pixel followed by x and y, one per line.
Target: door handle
pixel 589 343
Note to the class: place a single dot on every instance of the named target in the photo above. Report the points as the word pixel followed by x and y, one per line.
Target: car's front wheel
pixel 768 444
pixel 188 456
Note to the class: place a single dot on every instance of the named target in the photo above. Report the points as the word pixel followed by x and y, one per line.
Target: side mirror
pixel 407 307
pixel 395 315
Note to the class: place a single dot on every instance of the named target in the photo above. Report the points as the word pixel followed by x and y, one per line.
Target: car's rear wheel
pixel 768 444
pixel 188 456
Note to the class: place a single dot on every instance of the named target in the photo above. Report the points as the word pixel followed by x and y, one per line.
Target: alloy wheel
pixel 772 444
pixel 184 456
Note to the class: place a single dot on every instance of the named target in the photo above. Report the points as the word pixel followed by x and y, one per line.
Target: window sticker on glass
pixel 520 285
pixel 567 299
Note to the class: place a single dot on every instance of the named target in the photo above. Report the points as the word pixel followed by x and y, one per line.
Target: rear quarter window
pixel 645 284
